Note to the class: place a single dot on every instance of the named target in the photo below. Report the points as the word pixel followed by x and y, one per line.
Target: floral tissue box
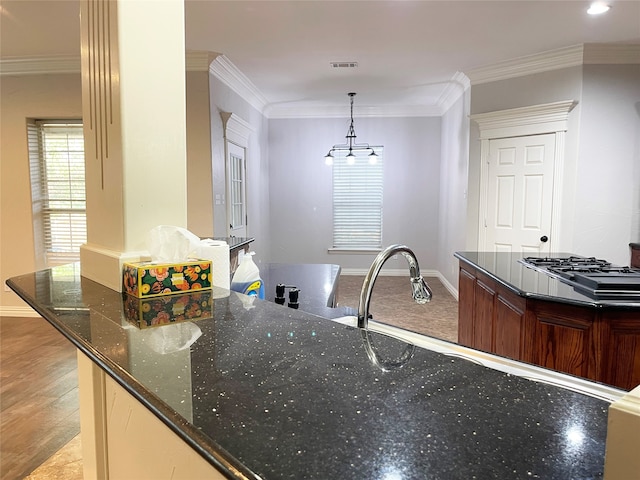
pixel 149 279
pixel 152 312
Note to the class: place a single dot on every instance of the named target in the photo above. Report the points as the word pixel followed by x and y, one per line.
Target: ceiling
pixel 408 52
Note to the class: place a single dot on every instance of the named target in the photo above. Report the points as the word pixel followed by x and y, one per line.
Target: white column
pixel 134 112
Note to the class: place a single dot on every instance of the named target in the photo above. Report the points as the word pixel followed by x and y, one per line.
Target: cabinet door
pixel 466 302
pixel 622 351
pixel 508 328
pixel 484 294
pixel 564 338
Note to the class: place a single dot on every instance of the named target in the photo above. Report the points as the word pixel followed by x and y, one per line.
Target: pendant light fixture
pixel 351 147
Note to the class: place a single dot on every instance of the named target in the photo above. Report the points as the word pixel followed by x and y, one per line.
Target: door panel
pixel 519 193
pixel 236 184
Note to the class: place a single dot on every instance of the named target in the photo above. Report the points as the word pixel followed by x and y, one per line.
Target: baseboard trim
pixel 401 272
pixel 9 311
pixel 452 290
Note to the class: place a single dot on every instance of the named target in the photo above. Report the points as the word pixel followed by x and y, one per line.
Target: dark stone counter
pixel 235 243
pixel 281 393
pixel 318 286
pixel 506 269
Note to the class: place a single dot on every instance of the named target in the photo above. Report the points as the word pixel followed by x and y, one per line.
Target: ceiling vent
pixel 344 64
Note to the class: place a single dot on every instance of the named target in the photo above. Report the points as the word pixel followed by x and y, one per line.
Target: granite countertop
pixel 283 394
pixel 506 269
pixel 235 242
pixel 317 284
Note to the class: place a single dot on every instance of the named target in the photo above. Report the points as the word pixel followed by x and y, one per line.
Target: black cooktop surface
pixel 590 275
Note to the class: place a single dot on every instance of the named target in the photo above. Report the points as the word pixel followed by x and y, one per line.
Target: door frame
pixel 239 153
pixel 522 122
pixel 237 132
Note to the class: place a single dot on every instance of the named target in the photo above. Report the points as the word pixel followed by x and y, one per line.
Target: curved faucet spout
pixel 420 290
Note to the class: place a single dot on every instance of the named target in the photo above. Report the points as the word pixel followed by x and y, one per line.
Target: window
pixel 357 202
pixel 237 191
pixel 56 157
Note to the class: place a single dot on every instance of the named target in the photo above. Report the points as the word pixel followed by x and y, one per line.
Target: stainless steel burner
pixel 589 275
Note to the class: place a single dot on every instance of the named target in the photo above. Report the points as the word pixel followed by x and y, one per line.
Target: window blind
pixel 58 189
pixel 357 202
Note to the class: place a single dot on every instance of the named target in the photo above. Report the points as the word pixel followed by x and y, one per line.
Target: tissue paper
pixel 169 244
pixel 217 251
pixel 174 266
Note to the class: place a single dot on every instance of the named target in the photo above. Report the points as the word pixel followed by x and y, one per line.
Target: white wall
pixel 600 212
pixel 608 177
pixel 223 99
pixel 22 97
pixel 540 88
pixel 301 187
pixel 199 179
pixel 454 172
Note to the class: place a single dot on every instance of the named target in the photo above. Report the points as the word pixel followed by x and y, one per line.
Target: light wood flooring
pixel 38 394
pixel 39 415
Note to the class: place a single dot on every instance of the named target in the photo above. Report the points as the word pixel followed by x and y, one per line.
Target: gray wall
pixel 454 170
pixel 223 99
pixel 301 187
pixel 600 193
pixel 608 175
pixel 540 88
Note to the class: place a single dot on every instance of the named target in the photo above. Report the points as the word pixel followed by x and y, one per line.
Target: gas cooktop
pixel 589 275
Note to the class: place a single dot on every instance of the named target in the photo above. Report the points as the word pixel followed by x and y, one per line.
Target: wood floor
pixel 38 394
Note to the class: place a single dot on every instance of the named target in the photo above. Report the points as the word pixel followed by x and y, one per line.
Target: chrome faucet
pixel 420 290
pixel 376 358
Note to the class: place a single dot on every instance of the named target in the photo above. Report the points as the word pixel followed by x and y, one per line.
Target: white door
pixel 520 194
pixel 237 191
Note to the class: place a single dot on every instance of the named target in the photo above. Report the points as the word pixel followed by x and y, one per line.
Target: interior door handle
pixel 544 239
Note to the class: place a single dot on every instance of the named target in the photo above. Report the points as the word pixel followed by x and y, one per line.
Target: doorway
pixel 520 194
pixel 237 190
pixel 236 135
pixel 521 167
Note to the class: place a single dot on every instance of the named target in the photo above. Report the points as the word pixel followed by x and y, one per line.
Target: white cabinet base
pixel 122 439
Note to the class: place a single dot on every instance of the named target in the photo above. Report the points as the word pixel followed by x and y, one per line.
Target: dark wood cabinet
pixel 635 255
pixel 509 326
pixel 563 337
pixel 600 344
pixel 621 350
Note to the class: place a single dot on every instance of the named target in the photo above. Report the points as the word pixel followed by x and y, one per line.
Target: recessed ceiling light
pixel 597 8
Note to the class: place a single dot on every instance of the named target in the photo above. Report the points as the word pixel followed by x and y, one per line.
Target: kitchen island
pixel 253 390
pixel 521 313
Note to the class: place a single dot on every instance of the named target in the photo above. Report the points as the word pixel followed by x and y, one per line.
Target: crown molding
pixel 528 65
pixel 236 130
pixel 231 76
pixel 224 70
pixel 454 89
pixel 195 61
pixel 576 55
pixel 275 111
pixel 609 54
pixel 536 119
pixel 40 65
pixel 199 60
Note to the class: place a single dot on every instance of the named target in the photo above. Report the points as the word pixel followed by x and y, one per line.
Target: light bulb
pixel 351 158
pixel 328 159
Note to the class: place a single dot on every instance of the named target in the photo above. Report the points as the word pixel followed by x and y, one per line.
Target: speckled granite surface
pixel 506 269
pixel 286 394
